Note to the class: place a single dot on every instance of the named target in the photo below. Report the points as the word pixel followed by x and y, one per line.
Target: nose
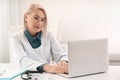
pixel 39 24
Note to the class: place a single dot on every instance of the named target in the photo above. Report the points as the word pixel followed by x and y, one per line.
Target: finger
pixel 65 65
pixel 64 68
pixel 62 63
pixel 61 71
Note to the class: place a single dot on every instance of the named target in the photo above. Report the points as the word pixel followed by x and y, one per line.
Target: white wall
pixel 14 13
pixel 87 20
pixel 4 24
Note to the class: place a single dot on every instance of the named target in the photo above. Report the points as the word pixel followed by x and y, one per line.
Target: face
pixel 35 21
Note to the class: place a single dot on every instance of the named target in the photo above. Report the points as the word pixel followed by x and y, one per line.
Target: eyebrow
pixel 40 17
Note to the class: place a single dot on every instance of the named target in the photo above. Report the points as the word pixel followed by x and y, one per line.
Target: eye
pixel 43 20
pixel 36 18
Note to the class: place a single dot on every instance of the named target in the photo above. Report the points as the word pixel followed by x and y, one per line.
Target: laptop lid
pixel 87 57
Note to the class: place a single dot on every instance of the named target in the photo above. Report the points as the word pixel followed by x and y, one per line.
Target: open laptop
pixel 87 57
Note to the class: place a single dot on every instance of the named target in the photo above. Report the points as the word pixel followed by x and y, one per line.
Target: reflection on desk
pixel 9 73
pixel 112 74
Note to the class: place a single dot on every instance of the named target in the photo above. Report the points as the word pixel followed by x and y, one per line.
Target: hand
pixel 53 68
pixel 64 65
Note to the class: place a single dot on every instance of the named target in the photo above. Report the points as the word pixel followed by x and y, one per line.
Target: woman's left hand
pixel 64 65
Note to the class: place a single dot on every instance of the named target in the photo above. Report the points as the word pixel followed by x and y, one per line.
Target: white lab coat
pixel 30 58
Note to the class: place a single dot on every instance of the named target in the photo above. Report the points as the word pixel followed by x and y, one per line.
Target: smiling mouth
pixel 37 27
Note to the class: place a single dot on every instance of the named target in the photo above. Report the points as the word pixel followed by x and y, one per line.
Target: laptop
pixel 87 57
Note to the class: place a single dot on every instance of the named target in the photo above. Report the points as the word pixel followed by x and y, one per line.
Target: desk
pixel 112 74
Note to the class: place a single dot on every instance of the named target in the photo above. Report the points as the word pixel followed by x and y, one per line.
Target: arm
pixel 20 56
pixel 57 50
pixel 59 56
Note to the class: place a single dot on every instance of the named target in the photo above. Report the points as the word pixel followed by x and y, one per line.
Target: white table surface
pixel 112 74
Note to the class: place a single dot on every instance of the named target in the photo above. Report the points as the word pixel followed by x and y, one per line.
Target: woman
pixel 34 45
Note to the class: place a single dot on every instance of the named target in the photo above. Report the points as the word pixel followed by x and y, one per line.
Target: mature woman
pixel 34 46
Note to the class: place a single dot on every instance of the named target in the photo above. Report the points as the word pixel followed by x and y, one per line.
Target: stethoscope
pixel 27 75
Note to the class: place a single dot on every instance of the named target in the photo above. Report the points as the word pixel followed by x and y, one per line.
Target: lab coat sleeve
pixel 20 56
pixel 57 50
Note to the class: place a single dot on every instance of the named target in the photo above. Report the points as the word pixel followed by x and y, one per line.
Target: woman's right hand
pixel 53 68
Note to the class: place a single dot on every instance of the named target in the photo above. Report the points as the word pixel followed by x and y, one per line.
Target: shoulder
pixel 19 34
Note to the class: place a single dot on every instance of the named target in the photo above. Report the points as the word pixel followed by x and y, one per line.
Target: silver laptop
pixel 87 57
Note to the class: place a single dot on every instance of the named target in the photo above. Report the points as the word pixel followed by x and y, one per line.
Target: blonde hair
pixel 30 9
